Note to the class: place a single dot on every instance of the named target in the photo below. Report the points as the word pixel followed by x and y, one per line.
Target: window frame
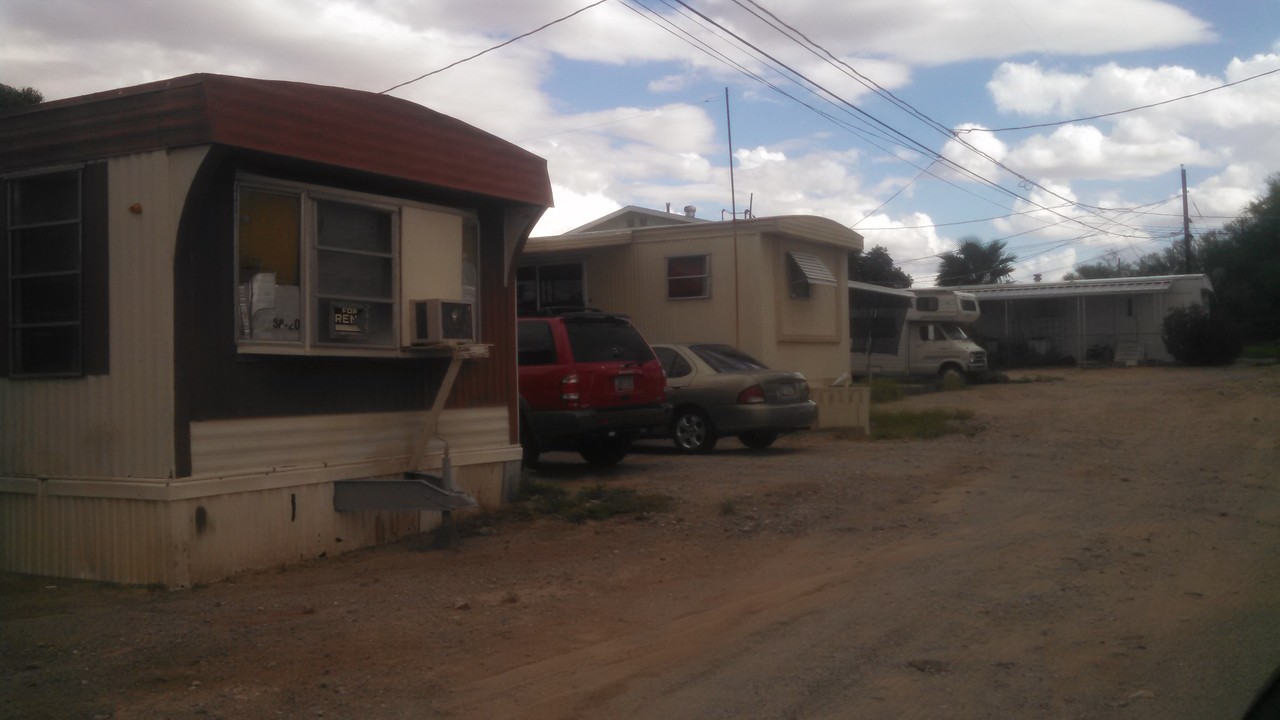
pixel 538 300
pixel 87 351
pixel 798 285
pixel 311 341
pixel 705 276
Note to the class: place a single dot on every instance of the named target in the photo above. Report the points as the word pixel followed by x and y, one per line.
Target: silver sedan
pixel 718 390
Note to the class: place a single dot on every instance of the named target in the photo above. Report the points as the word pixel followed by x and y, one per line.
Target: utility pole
pixel 733 225
pixel 1186 226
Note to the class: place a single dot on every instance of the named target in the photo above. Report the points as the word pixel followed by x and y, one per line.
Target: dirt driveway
pixel 1099 546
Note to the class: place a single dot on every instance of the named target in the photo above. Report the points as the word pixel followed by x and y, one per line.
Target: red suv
pixel 588 382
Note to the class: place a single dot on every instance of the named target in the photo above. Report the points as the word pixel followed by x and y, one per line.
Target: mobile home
pixel 217 346
pixel 770 286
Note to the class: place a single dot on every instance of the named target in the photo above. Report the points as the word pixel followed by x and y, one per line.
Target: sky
pixel 1060 128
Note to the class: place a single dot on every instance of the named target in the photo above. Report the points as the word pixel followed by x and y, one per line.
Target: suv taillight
pixel 751 396
pixel 570 389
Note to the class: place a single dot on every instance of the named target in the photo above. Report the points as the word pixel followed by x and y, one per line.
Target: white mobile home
pixel 210 324
pixel 773 287
pixel 1083 320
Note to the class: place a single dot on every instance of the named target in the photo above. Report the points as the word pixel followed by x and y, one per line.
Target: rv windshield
pixel 955 332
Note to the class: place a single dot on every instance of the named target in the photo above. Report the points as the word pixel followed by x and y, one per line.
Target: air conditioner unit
pixel 434 322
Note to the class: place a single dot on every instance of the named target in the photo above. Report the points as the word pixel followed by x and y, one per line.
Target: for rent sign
pixel 348 321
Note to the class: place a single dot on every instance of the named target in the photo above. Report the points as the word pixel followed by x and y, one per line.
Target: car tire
pixel 758 440
pixel 951 373
pixel 692 432
pixel 603 452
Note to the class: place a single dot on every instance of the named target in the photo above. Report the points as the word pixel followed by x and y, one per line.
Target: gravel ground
pixel 1095 544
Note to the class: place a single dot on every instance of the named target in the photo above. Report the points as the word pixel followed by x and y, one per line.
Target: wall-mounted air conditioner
pixel 441 321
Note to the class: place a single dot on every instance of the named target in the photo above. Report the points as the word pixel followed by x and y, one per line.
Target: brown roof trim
pixel 335 126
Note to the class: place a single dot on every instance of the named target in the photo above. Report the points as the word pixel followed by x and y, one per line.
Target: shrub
pixel 1195 337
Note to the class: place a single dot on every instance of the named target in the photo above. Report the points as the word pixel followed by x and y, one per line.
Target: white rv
pixel 912 332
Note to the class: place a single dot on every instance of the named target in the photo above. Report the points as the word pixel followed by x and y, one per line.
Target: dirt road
pixel 1103 545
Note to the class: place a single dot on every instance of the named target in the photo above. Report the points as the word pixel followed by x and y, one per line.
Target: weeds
pixel 918 424
pixel 592 503
pixel 885 390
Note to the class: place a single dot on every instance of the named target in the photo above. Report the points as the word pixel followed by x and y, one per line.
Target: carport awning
pixel 1019 291
pixel 813 269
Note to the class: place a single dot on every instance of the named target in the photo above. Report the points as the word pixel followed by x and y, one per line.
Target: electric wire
pixel 1121 112
pixel 495 47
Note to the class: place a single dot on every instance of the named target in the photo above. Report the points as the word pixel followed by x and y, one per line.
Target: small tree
pixel 1195 337
pixel 876 267
pixel 12 97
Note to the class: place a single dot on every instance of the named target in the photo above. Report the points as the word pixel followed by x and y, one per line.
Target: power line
pixel 495 47
pixel 903 105
pixel 1119 112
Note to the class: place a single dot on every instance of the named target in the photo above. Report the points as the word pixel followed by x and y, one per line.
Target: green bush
pixel 1195 337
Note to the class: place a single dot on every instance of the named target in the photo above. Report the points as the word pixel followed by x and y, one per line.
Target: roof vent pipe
pixel 690 210
pixel 668 207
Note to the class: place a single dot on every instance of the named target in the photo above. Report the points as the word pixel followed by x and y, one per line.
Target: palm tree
pixel 976 263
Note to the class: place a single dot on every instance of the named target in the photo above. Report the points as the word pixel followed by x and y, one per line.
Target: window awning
pixel 813 269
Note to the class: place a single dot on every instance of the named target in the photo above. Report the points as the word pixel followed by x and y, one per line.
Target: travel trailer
pixel 912 332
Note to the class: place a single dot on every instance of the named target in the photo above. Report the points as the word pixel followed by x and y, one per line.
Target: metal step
pixel 413 491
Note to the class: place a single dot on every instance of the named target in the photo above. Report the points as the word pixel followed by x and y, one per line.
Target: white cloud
pixel 652 137
pixel 933 32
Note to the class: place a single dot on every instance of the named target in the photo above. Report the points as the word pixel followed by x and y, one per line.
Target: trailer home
pixel 771 286
pixel 248 322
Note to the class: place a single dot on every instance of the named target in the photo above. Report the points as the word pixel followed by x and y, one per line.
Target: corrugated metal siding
pixel 85 538
pixel 262 445
pixel 249 531
pixel 119 424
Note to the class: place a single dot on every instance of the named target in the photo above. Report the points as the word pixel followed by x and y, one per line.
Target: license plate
pixel 624 383
pixel 786 391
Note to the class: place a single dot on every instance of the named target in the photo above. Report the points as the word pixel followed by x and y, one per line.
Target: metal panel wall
pixel 84 538
pixel 221 448
pixel 120 424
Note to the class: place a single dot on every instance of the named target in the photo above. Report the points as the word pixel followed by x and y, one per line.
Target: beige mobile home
pixel 772 286
pixel 1083 321
pixel 237 312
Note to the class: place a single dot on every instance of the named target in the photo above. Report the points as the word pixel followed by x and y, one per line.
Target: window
pixel 318 270
pixel 927 304
pixel 688 277
pixel 673 363
pixel 536 344
pixel 355 280
pixel 54 267
pixel 968 305
pixel 608 340
pixel 547 286
pixel 804 271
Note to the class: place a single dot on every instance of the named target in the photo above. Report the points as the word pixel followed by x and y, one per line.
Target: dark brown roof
pixel 335 126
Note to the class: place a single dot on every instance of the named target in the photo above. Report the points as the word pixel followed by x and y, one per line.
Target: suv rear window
pixel 536 343
pixel 607 340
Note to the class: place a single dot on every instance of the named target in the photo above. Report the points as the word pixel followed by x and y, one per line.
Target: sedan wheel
pixel 692 432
